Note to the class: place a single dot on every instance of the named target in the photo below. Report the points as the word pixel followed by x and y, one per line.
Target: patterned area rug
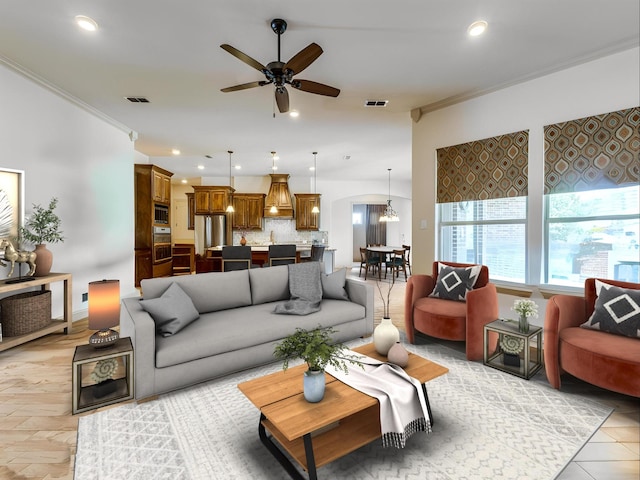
pixel 488 425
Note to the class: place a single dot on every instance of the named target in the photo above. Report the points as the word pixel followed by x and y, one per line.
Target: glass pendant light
pixel 230 208
pixel 273 208
pixel 315 208
pixel 389 214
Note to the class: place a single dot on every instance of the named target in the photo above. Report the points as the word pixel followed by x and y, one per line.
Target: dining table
pixel 383 252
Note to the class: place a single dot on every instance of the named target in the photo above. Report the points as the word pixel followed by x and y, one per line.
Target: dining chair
pixel 366 262
pixel 396 263
pixel 407 256
pixel 282 254
pixel 236 257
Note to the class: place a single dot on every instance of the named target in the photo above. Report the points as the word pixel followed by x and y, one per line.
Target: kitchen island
pixel 260 256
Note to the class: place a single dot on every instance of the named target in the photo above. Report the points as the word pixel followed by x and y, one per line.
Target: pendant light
pixel 315 208
pixel 273 208
pixel 389 214
pixel 230 208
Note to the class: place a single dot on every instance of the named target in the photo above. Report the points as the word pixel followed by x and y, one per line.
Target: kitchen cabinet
pixel 184 258
pixel 305 219
pixel 210 200
pixel 152 197
pixel 161 185
pixel 248 211
pixel 191 211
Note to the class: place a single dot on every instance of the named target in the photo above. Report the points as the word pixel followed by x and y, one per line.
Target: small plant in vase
pixel 386 334
pixel 317 350
pixel 526 309
pixel 42 227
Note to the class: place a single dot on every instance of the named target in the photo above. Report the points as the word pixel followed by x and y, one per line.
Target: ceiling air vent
pixel 376 103
pixel 137 99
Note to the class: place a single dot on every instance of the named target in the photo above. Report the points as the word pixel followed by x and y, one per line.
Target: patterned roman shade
pixel 485 169
pixel 592 153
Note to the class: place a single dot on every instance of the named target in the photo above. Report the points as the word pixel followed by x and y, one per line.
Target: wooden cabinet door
pixel 191 212
pixel 161 188
pixel 240 213
pixel 202 200
pixel 305 218
pixel 219 201
pixel 255 208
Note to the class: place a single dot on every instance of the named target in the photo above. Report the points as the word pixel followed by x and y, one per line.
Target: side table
pixel 89 395
pixel 513 352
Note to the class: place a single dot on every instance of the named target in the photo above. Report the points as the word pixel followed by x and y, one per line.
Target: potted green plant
pixel 42 227
pixel 317 350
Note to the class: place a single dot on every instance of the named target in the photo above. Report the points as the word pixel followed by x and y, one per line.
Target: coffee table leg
pixel 426 400
pixel 283 460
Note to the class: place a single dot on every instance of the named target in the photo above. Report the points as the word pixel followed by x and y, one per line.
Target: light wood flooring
pixel 38 432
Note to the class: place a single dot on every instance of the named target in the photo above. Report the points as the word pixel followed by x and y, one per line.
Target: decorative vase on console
pixel 385 334
pixel 42 227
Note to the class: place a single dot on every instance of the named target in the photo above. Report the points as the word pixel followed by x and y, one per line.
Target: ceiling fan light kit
pixel 280 74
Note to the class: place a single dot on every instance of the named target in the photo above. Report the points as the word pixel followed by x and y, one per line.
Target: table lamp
pixel 104 312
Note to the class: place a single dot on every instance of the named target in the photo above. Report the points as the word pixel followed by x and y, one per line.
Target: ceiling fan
pixel 281 74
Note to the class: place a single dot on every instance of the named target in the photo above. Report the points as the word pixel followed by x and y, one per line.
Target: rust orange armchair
pixel 604 359
pixel 450 319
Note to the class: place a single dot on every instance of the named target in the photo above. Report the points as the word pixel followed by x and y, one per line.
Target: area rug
pixel 488 425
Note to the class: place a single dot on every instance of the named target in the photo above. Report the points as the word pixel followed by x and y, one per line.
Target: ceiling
pixel 411 53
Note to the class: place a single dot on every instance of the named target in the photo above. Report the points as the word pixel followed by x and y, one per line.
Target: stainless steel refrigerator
pixel 210 231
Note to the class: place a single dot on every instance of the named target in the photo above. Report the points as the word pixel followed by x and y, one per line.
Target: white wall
pixel 87 163
pixel 604 85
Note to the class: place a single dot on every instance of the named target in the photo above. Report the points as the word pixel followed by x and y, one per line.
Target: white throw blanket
pixel 403 410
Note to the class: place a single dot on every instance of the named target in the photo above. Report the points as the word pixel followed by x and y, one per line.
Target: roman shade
pixel 592 153
pixel 485 169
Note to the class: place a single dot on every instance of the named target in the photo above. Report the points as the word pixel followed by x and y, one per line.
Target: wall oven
pixel 161 244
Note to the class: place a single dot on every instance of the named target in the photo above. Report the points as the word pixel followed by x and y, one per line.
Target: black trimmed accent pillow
pixel 454 282
pixel 172 311
pixel 617 311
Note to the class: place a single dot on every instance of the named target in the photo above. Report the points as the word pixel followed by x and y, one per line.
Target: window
pixel 593 233
pixel 488 232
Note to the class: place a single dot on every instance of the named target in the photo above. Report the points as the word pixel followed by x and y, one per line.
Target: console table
pixel 56 324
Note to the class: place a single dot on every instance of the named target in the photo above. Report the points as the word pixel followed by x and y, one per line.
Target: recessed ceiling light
pixel 200 167
pixel 238 167
pixel 86 23
pixel 184 180
pixel 312 168
pixel 294 113
pixel 175 151
pixel 477 28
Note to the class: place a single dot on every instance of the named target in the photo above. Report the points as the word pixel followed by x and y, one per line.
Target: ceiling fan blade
pixel 244 57
pixel 303 58
pixel 244 86
pixel 282 99
pixel 315 87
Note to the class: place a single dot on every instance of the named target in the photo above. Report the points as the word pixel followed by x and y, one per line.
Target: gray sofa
pixel 236 328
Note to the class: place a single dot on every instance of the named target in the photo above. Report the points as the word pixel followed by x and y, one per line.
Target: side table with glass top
pixel 513 351
pixel 116 362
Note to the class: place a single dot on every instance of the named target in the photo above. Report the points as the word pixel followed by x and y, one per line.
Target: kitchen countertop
pixel 265 248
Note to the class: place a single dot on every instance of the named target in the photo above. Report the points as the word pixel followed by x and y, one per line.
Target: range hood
pixel 278 196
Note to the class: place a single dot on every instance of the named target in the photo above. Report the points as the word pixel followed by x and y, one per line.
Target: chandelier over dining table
pixel 389 214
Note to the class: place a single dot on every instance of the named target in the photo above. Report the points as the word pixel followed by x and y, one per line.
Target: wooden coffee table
pixel 315 434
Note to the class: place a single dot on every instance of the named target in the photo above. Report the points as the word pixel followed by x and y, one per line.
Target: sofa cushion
pixel 454 282
pixel 172 311
pixel 617 310
pixel 240 328
pixel 209 292
pixel 269 284
pixel 333 285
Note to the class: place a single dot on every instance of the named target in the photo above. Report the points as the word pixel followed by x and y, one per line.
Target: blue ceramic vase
pixel 314 385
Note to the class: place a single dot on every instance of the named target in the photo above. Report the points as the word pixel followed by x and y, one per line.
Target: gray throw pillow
pixel 172 311
pixel 454 282
pixel 333 285
pixel 617 311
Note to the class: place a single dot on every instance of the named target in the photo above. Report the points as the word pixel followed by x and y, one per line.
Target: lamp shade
pixel 104 304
